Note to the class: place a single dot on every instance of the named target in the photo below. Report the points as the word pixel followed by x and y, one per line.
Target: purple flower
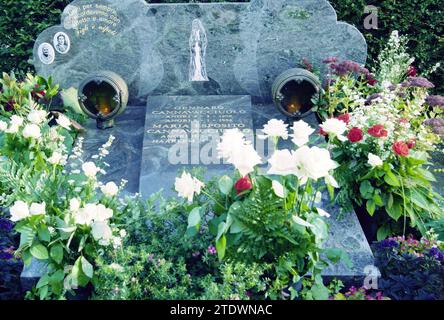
pixel 346 67
pixel 419 82
pixel 436 122
pixel 330 60
pixel 373 97
pixel 6 256
pixel 437 254
pixel 211 250
pixel 389 243
pixel 6 225
pixel 435 101
pixel 438 130
pixel 151 258
pixel 196 254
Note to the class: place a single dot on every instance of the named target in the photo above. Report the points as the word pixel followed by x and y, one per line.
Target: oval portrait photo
pixel 46 53
pixel 61 42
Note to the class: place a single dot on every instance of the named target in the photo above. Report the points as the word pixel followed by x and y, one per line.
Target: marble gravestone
pixel 243 46
pixel 209 65
pixel 182 132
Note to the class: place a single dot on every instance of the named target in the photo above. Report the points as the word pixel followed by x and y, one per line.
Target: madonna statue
pixel 198 48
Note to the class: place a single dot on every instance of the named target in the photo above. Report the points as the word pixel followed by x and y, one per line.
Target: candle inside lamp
pixel 294 105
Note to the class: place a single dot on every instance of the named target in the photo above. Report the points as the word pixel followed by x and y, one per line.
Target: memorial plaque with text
pixel 183 132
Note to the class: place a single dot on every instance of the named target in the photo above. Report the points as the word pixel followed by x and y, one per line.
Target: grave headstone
pixel 183 132
pixel 238 48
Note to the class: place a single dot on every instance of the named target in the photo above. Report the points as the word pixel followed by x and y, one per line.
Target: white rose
pixel 283 163
pixel 37 116
pixel 3 126
pixel 19 211
pixel 374 160
pixel 275 129
pixel 86 215
pixel 232 140
pixel 110 189
pixel 301 133
pixel 103 213
pixel 31 131
pixel 90 170
pixel 102 232
pixel 313 163
pixel 74 204
pixel 186 186
pixel 57 158
pixel 245 159
pixel 335 128
pixel 37 209
pixel 16 121
pixel 64 122
pixel 278 189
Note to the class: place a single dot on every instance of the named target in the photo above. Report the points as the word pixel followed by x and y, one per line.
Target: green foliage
pixel 160 262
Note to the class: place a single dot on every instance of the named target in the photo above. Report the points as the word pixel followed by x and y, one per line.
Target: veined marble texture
pixel 247 44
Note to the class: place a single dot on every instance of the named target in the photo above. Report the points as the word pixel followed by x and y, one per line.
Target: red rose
pixel 411 144
pixel 322 132
pixel 412 72
pixel 344 117
pixel 243 184
pixel 378 131
pixel 355 135
pixel 401 148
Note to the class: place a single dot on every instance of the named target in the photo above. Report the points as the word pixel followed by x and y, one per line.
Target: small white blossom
pixel 16 121
pixel 19 211
pixel 123 233
pixel 37 209
pixel 90 170
pixel 74 204
pixel 32 131
pixel 374 161
pixel 3 126
pixel 110 189
pixel 101 232
pixel 57 159
pixel 186 186
pixel 37 116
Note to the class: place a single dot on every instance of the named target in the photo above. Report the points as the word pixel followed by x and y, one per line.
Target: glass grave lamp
pixel 293 92
pixel 103 96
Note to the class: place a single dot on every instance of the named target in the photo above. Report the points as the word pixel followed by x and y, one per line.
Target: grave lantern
pixel 103 96
pixel 293 92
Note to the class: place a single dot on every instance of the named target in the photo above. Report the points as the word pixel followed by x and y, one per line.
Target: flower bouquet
pixel 271 216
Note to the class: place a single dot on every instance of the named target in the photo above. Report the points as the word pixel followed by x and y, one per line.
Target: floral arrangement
pixel 359 294
pixel 411 269
pixel 270 215
pixel 402 245
pixel 378 132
